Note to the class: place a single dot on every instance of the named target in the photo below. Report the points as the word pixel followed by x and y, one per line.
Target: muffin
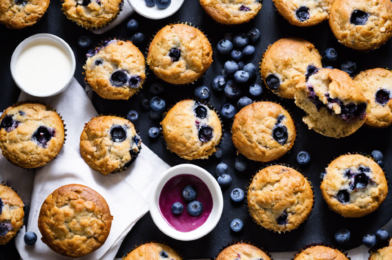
pixel 74 220
pixel 382 253
pixel 231 12
pixel 304 12
pixel 362 24
pixel 286 62
pixel 11 214
pixel 179 54
pixel 192 130
pixel 335 106
pixel 319 252
pixel 115 70
pixel 92 14
pixel 109 144
pixel 31 134
pixel 354 186
pixel 263 131
pixel 279 198
pixel 376 85
pixel 18 14
pixel 152 251
pixel 242 251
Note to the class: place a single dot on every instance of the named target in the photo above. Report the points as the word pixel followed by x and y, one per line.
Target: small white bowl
pixel 34 39
pixel 155 13
pixel 217 200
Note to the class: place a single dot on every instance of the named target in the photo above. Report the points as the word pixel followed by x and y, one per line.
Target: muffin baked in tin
pixel 154 251
pixel 320 252
pixel 242 251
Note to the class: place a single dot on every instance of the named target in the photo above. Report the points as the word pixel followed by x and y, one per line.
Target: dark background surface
pixel 322 223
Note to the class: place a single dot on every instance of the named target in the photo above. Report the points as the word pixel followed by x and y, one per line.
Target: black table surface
pixel 322 223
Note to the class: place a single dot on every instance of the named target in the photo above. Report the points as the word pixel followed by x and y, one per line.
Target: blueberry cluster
pixel 132 27
pixel 379 240
pixel 205 131
pixel 194 208
pixel 161 4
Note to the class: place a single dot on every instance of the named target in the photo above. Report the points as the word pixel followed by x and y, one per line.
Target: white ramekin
pixel 39 37
pixel 155 13
pixel 216 194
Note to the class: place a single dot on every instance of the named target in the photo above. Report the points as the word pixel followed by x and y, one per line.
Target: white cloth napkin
pixel 126 11
pixel 127 192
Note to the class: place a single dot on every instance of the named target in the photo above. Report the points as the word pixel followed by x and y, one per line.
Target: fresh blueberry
pixel 279 133
pixel 349 67
pixel 273 82
pixel 377 155
pixel 156 89
pixel 84 42
pixel 145 104
pixel 228 111
pixel 137 38
pixel 382 235
pixel 228 36
pixel 240 163
pixel 244 101
pixel 232 90
pixel 282 219
pixel 303 13
pixel 177 208
pixel 30 238
pixel 150 3
pixel 133 25
pixel 236 55
pixel 343 236
pixel 118 133
pixel 254 34
pixel 241 76
pixel 255 90
pixel 369 240
pixel 237 195
pixel 175 54
pixel 248 50
pixel 221 169
pixel 303 158
pixel 224 46
pixel 343 196
pixel 230 67
pixel 162 4
pixel 240 40
pixel 132 115
pixel 224 180
pixel 158 104
pixel 43 135
pixel 202 92
pixel 205 134
pixel 195 208
pixel 119 78
pixel 236 225
pixel 330 54
pixel 218 154
pixel 219 83
pixel 154 116
pixel 359 17
pixel 153 132
pixel 241 65
pixel 380 163
pixel 189 193
pixel 383 96
pixel 201 112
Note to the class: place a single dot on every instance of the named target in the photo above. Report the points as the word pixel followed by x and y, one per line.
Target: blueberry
pixel 359 17
pixel 137 38
pixel 162 4
pixel 383 96
pixel 241 65
pixel 273 82
pixel 84 42
pixel 248 50
pixel 303 13
pixel 154 116
pixel 201 112
pixel 236 55
pixel 133 25
pixel 228 111
pixel 224 180
pixel 282 219
pixel 240 40
pixel 349 67
pixel 241 76
pixel 118 133
pixel 218 154
pixel 156 89
pixel 232 90
pixel 30 238
pixel 343 196
pixel 195 208
pixel 132 115
pixel 119 78
pixel 205 134
pixel 240 163
pixel 145 104
pixel 189 193
pixel 251 69
pixel 221 169
pixel 22 2
pixel 361 181
pixel 343 236
pixel 330 54
pixel 236 225
pixel 150 3
pixel 230 67
pixel 380 163
pixel 310 70
pixel 382 235
pixel 377 155
pixel 254 34
pixel 177 208
pixel 219 83
pixel 175 54
pixel 153 132
pixel 164 254
pixel 158 104
pixel 224 46
pixel 279 133
pixel 202 92
pixel 8 123
pixel 1 206
pixel 303 158
pixel 237 195
pixel 255 90
pixel 43 135
pixel 244 8
pixel 98 62
pixel 369 240
pixel 134 81
pixel 5 227
pixel 244 101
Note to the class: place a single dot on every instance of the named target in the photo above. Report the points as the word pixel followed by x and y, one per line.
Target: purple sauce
pixel 172 192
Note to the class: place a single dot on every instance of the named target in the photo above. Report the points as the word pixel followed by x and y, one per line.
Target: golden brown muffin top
pixel 152 251
pixel 320 253
pixel 382 253
pixel 242 251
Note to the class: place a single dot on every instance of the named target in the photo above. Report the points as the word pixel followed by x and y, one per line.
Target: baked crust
pixel 242 251
pixel 320 252
pixel 382 253
pixel 152 251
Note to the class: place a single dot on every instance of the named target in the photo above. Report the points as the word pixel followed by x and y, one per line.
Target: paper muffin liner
pixel 153 241
pixel 285 165
pixel 236 242
pixel 320 244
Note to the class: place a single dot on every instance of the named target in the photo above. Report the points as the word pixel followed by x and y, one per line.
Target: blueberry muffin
pixel 179 54
pixel 263 131
pixel 286 62
pixel 376 85
pixel 154 251
pixel 362 24
pixel 31 134
pixel 334 104
pixel 279 198
pixel 115 70
pixel 320 252
pixel 74 220
pixel 18 14
pixel 11 214
pixel 192 130
pixel 304 12
pixel 354 186
pixel 109 144
pixel 382 253
pixel 92 14
pixel 231 12
pixel 242 251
